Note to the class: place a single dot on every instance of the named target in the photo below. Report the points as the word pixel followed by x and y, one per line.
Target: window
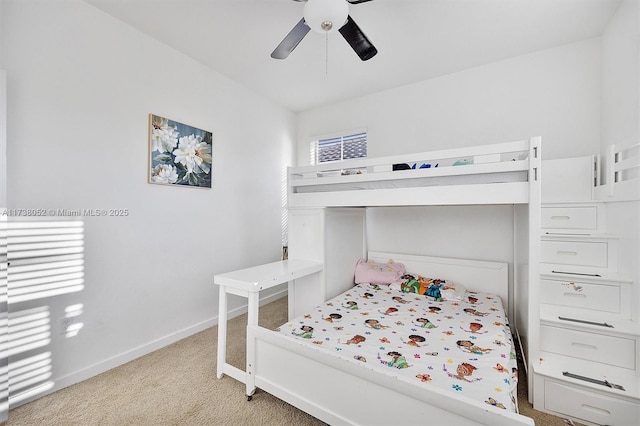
pixel 339 148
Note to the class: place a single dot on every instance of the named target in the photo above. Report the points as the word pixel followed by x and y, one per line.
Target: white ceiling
pixel 416 40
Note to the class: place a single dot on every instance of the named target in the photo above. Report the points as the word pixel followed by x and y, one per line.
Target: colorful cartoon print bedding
pixel 462 346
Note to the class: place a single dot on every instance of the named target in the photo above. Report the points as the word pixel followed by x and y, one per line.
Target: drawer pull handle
pixel 601 324
pixel 584 345
pixel 604 382
pixel 575 273
pixel 597 410
pixel 560 217
pixel 572 234
pixel 580 295
pixel 567 253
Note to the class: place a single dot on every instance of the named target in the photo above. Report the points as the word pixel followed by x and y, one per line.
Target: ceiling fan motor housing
pixel 325 16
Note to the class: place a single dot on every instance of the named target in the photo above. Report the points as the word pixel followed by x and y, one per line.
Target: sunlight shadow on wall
pixel 46 257
pixel 29 329
pixel 4 322
pixel 71 326
pixel 46 260
pixel 30 377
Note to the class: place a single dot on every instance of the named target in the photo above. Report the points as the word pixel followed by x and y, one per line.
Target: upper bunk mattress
pixel 460 346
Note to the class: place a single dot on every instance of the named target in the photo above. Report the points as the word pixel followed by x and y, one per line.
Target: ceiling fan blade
pixel 291 40
pixel 354 1
pixel 358 40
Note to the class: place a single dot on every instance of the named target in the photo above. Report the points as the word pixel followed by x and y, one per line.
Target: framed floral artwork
pixel 179 154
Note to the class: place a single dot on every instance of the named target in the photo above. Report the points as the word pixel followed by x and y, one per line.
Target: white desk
pixel 248 283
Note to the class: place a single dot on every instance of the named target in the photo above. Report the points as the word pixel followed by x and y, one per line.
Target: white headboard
pixel 474 275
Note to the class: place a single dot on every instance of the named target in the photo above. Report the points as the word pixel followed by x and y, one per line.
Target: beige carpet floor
pixel 177 385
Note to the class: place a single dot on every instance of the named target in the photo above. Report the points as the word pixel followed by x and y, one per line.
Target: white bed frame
pixel 307 378
pixel 495 174
pixel 499 174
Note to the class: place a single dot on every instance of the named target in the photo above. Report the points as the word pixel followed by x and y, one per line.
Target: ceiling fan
pixel 325 16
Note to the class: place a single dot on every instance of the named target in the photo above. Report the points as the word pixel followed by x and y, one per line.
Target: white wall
pixel 554 93
pixel 621 77
pixel 80 87
pixel 3 140
pixel 430 231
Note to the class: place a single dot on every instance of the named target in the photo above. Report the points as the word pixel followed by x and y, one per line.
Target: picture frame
pixel 179 154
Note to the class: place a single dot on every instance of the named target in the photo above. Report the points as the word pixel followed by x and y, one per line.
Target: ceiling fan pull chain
pixel 326 53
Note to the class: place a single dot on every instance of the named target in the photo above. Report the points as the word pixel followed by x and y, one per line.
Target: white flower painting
pixel 179 154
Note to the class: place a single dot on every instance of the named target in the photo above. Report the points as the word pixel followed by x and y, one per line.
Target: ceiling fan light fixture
pixel 326 16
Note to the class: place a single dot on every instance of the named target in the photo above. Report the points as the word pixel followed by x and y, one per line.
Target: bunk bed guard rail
pixel 486 174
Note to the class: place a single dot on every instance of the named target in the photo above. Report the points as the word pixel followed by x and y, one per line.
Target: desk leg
pixel 252 319
pixel 222 331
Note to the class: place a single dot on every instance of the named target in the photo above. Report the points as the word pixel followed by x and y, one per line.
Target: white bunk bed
pixel 306 378
pixel 487 174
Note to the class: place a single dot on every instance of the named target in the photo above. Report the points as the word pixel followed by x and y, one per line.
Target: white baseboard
pixel 55 384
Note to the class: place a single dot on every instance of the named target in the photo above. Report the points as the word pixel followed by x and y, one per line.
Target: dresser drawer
pixel 578 253
pixel 611 350
pixel 576 218
pixel 589 406
pixel 597 297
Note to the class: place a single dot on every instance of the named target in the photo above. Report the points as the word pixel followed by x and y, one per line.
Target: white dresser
pixel 589 338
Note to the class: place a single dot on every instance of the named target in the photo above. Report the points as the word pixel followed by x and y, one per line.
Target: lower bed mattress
pixel 463 346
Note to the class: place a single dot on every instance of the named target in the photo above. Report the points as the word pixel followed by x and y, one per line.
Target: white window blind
pixel 339 148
